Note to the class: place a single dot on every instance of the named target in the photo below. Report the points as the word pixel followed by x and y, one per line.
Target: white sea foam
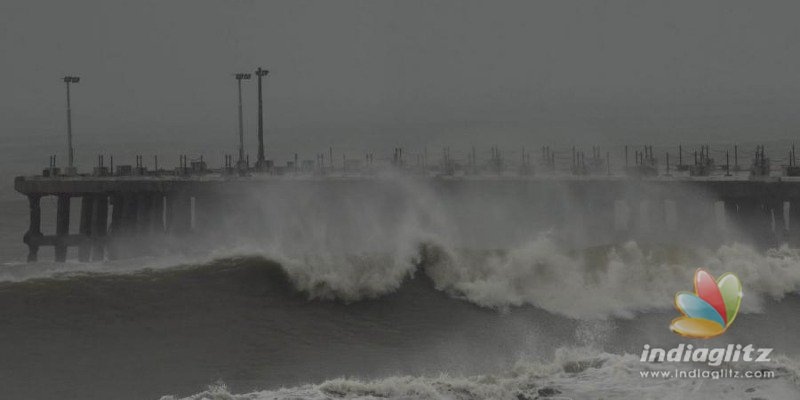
pixel 574 373
pixel 623 280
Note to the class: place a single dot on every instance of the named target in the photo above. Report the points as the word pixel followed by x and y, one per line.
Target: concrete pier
pixel 34 235
pixel 62 227
pixel 115 229
pixel 145 210
pixel 99 228
pixel 87 209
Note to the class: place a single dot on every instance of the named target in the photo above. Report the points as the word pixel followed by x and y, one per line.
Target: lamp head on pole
pixel 261 72
pixel 241 76
pixel 72 79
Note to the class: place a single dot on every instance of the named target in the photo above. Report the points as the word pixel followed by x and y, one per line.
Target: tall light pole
pixel 70 152
pixel 239 78
pixel 260 163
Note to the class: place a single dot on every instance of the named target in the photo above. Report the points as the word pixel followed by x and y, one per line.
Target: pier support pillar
pixel 34 234
pixel 130 225
pixel 62 227
pixel 731 207
pixel 786 208
pixel 85 229
pixel 720 212
pixel 775 215
pixel 99 227
pixel 116 213
pixel 117 223
pixel 149 218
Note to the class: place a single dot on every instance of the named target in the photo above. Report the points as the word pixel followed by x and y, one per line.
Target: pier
pixel 641 199
pixel 587 197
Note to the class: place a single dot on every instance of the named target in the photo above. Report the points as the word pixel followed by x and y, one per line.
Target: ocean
pixel 396 295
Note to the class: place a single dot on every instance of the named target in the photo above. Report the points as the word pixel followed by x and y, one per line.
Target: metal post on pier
pixel 261 162
pixel 70 150
pixel 239 78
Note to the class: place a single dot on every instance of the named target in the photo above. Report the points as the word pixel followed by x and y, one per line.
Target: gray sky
pixel 365 74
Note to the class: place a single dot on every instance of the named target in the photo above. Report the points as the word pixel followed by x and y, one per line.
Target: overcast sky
pixel 375 73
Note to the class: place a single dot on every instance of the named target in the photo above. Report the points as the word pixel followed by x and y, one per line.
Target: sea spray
pixel 629 278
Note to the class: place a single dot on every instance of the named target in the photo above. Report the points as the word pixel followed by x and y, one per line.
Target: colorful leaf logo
pixel 710 310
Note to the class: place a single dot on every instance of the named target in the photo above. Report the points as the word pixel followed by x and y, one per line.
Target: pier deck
pixel 116 208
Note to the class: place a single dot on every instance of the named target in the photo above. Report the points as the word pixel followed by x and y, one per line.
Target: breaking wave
pixel 613 281
pixel 574 373
pixel 353 241
pixel 617 280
